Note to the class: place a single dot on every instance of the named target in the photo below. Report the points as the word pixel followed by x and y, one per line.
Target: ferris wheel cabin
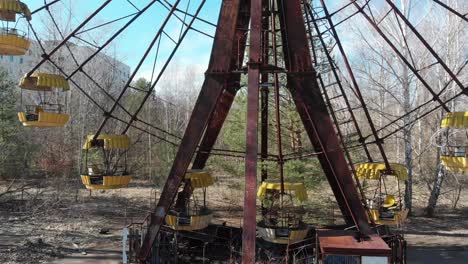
pixel 282 212
pixel 13 41
pixel 386 205
pixel 105 162
pixel 454 156
pixel 191 213
pixel 49 112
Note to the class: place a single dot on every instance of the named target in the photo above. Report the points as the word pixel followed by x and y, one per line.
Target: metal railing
pixel 13 31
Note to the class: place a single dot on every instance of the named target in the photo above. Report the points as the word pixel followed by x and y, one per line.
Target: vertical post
pixel 264 129
pixel 277 100
pixel 264 94
pixel 249 226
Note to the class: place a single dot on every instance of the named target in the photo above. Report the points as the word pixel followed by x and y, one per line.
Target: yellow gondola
pixel 455 120
pixel 49 112
pixel 186 214
pixel 282 223
pixel 105 162
pixel 13 41
pixel 454 156
pixel 386 207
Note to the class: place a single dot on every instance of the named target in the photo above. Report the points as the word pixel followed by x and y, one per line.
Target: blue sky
pixel 130 46
pixel 132 43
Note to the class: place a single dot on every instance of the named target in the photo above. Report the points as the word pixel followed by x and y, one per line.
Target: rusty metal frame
pixel 249 231
pixel 214 127
pixel 451 10
pixel 264 94
pixel 276 86
pixel 356 86
pixel 395 49
pixel 45 57
pixel 346 150
pixel 357 90
pixel 135 71
pixel 304 87
pixel 216 98
pixel 224 60
pixel 426 44
pixel 339 83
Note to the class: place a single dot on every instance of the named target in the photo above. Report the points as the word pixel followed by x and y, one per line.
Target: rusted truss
pixel 222 82
pixel 217 95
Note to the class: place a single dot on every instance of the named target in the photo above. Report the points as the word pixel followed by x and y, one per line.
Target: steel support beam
pixel 216 98
pixel 264 92
pixel 224 103
pixel 249 231
pixel 452 10
pixel 212 89
pixel 223 54
pixel 46 57
pixel 304 87
pixel 213 128
pixel 338 80
pixel 264 129
pixel 400 55
pixel 426 44
pixel 357 90
pixel 227 98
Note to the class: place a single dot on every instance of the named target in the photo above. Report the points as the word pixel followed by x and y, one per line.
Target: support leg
pixel 223 56
pixel 250 196
pixel 303 85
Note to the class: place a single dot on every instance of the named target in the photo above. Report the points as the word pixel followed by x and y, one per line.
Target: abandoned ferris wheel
pixel 282 47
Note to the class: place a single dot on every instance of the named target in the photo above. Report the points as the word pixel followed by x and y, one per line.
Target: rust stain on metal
pixel 341 242
pixel 224 46
pixel 303 85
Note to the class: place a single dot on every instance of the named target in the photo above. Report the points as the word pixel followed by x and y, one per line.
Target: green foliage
pixel 234 128
pixel 8 98
pixel 307 171
pixel 10 139
pixel 233 136
pixel 134 98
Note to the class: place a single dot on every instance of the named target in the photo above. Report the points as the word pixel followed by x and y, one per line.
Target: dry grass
pixel 65 225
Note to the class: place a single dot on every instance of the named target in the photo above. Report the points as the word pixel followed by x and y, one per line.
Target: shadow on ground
pixel 437 255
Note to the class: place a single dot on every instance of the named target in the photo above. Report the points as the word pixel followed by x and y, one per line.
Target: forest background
pixel 50 160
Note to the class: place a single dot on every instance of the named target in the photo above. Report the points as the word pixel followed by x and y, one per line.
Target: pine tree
pixel 9 125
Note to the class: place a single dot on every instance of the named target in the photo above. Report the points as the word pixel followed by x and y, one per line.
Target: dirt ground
pixel 61 229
